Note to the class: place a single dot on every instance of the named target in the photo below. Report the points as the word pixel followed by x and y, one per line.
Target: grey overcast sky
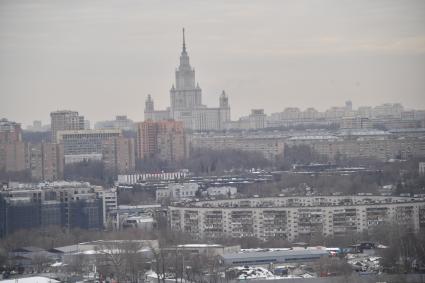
pixel 102 57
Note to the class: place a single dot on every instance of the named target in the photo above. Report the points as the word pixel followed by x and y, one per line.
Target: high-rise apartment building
pixel 37 126
pixel 12 149
pixel 17 214
pixel 118 155
pixel 10 132
pixel 13 157
pixel 65 120
pixel 147 140
pixel 388 110
pixel 70 205
pixel 46 161
pixel 161 139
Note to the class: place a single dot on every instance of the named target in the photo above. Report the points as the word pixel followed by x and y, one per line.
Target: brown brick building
pixel 46 161
pixel 12 149
pixel 118 155
pixel 164 140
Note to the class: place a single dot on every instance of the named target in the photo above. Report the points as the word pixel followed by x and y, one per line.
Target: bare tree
pixel 40 262
pixel 78 264
pixel 160 263
pixel 124 259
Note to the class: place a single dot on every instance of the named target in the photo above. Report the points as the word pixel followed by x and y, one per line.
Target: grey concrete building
pixel 294 218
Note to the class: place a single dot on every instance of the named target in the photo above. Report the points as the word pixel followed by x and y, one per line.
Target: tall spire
pixel 184 43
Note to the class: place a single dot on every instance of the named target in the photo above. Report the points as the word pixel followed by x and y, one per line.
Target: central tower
pixel 186 102
pixel 185 95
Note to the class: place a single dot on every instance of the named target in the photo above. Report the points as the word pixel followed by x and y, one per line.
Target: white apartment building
pixel 256 120
pixel 121 122
pixel 75 158
pixel 222 191
pixel 109 201
pixel 388 110
pixel 130 179
pixel 178 191
pixel 355 123
pixel 294 218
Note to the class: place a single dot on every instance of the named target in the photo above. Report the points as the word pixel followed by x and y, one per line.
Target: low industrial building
pixel 273 256
pixel 208 249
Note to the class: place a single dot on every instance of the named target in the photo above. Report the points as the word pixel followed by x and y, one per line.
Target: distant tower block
pixel 149 106
pixel 349 105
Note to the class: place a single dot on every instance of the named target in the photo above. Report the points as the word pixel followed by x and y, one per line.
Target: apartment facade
pixel 165 140
pixel 43 160
pixel 70 205
pixel 130 179
pixel 118 155
pixel 65 120
pixel 85 144
pixel 294 218
pixel 13 157
pixel 10 132
pixel 177 191
pixel 256 120
pixel 121 122
pixel 269 147
pixel 46 161
pixel 12 149
pixel 381 147
pixel 221 191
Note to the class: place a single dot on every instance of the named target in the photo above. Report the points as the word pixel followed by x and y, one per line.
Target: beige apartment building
pixel 12 149
pixel 118 155
pixel 10 132
pixel 269 147
pixel 356 146
pixel 165 140
pixel 46 161
pixel 294 218
pixel 13 157
pixel 65 120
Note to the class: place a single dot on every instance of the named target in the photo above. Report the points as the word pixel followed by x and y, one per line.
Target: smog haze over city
pixel 212 141
pixel 74 54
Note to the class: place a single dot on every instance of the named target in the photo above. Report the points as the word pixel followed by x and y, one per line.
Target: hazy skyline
pixel 103 57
